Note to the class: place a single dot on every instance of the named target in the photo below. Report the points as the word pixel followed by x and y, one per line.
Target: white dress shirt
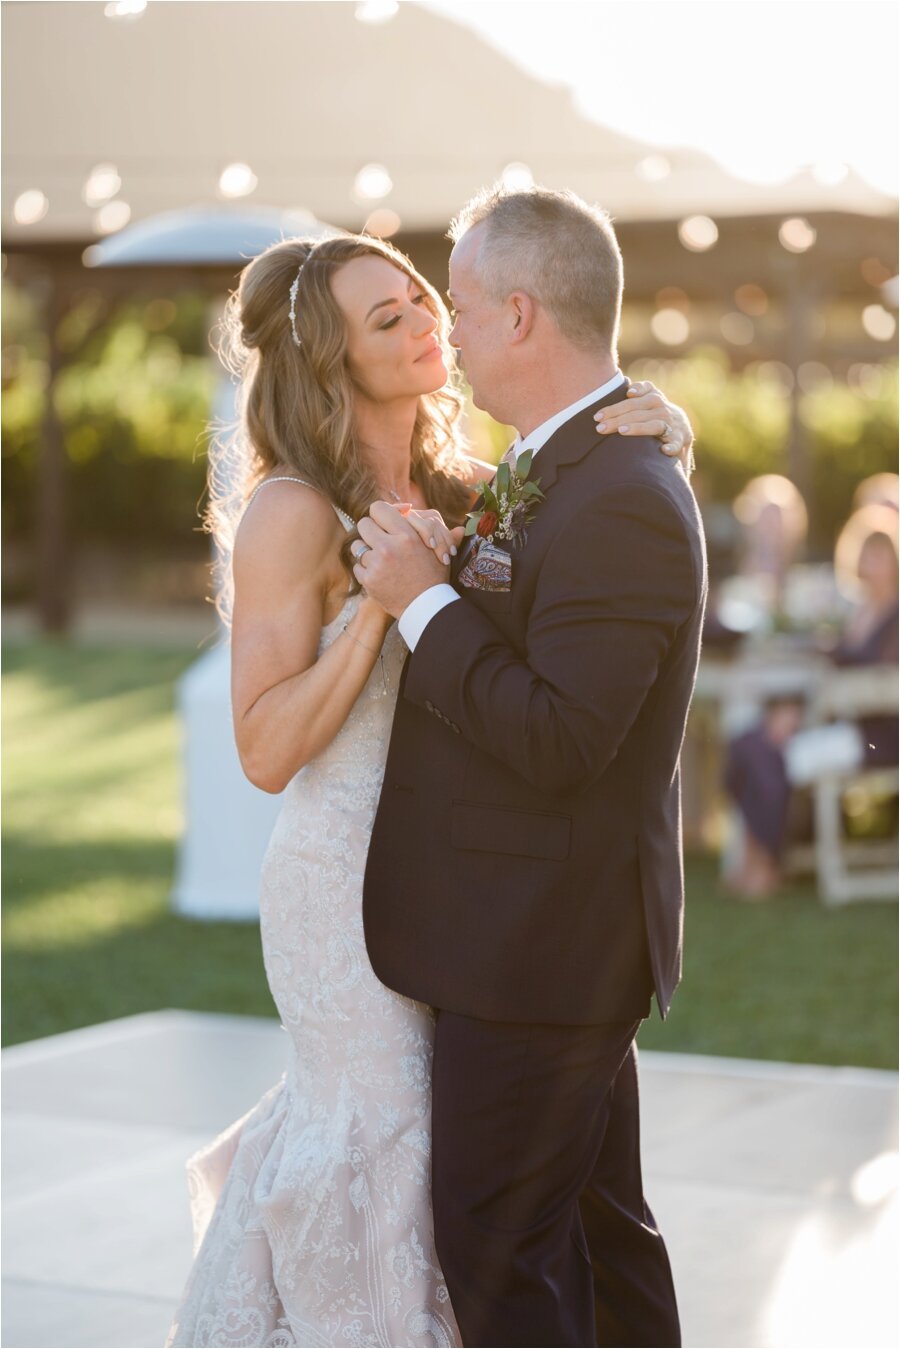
pixel 418 614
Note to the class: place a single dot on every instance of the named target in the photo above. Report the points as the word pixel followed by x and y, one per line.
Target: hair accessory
pixel 293 309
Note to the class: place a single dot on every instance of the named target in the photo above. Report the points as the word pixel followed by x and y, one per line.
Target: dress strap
pixel 344 518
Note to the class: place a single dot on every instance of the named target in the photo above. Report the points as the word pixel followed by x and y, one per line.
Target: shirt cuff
pixel 417 615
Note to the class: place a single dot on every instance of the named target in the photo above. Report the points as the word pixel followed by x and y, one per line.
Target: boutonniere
pixel 508 506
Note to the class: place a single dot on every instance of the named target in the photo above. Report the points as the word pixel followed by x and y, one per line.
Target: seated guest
pixel 757 765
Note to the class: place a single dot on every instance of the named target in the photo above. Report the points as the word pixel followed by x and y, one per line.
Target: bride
pixel 312 1217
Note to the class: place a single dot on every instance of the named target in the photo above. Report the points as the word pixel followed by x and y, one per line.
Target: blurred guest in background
pixel 774 519
pixel 867 548
pixel 758 775
pixel 881 489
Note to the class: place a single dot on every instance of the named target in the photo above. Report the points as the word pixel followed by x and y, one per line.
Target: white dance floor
pixel 775 1185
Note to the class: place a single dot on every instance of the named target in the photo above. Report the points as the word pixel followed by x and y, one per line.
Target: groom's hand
pixel 396 566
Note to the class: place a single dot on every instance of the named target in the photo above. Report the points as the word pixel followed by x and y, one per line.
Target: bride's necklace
pixel 391 495
pixel 390 492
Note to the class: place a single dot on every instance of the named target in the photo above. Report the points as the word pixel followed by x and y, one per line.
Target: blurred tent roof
pixel 210 235
pixel 307 95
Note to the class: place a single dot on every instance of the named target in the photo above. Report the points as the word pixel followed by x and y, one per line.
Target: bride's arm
pixel 287 705
pixel 645 411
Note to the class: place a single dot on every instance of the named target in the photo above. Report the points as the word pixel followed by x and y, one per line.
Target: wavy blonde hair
pixel 295 404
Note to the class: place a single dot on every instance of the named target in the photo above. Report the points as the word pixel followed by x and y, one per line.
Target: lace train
pixel 285 1189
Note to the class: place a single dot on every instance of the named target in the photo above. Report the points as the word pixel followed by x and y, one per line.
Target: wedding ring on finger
pixel 670 445
pixel 359 550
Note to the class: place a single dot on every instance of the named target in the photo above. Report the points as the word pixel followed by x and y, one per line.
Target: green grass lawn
pixel 91 820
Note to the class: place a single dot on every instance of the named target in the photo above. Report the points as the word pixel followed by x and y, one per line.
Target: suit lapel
pixel 462 556
pixel 568 445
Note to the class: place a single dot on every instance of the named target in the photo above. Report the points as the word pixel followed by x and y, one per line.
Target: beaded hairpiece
pixel 293 309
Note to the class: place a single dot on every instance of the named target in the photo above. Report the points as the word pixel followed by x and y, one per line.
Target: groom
pixel 524 876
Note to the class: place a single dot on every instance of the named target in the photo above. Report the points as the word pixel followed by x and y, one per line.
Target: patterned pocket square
pixel 487 568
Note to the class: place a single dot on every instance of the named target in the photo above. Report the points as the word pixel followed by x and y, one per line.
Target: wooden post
pixel 799 305
pixel 54 578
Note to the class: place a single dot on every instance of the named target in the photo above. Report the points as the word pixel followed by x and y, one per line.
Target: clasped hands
pixel 401 552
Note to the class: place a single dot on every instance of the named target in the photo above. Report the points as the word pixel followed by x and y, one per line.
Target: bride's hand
pixel 644 411
pixel 430 527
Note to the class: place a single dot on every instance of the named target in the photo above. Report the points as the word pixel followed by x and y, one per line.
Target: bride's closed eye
pixel 392 322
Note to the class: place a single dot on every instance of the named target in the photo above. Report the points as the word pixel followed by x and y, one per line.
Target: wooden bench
pixel 730 697
pixel 853 869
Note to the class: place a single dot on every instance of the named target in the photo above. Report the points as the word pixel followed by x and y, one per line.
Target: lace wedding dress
pixel 312 1217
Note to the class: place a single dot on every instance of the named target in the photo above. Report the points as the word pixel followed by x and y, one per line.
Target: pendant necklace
pixel 392 495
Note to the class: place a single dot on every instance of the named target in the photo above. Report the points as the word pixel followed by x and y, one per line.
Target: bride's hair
pixel 295 402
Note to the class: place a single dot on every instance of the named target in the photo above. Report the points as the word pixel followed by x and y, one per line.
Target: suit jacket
pixel 525 862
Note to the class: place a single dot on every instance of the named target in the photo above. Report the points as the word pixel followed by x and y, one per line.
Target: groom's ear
pixel 521 312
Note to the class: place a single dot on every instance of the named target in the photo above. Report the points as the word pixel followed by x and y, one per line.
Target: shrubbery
pixel 742 425
pixel 134 402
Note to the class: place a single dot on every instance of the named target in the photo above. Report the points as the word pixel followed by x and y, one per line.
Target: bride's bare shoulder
pixel 286 525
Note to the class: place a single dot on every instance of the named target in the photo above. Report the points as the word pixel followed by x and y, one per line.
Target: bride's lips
pixel 434 350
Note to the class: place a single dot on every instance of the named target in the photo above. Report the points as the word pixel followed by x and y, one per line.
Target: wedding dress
pixel 312 1216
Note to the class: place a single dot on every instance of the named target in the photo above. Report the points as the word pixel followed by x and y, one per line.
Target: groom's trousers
pixel 541 1227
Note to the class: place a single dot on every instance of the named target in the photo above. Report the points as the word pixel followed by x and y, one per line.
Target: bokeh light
pixel 30 207
pixel 125 9
pixel 384 222
pixel 372 182
pixel 111 217
pixel 102 184
pixel 237 180
pixel 796 235
pixel 698 233
pixel 878 322
pixel 670 326
pixel 517 177
pixel 751 299
pixel 376 11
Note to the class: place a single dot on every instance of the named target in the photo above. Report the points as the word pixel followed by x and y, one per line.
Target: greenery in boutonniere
pixel 508 503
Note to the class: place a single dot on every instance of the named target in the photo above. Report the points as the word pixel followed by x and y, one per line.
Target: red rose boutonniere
pixel 508 506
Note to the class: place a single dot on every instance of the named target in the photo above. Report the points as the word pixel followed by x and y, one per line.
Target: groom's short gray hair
pixel 556 248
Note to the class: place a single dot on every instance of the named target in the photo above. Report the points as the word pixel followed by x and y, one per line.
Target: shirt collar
pixel 539 437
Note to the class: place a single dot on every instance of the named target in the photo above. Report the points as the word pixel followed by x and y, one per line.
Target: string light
pixel 372 183
pixel 698 233
pixel 30 207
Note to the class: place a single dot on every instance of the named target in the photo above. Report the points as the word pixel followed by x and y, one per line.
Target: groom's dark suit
pixel 524 878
